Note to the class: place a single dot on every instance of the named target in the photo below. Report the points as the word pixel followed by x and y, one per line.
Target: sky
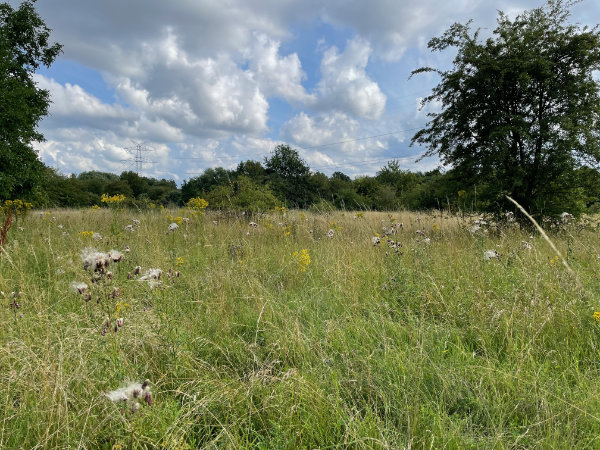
pixel 206 83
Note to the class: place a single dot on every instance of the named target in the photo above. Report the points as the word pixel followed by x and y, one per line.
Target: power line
pixel 312 146
pixel 359 139
pixel 138 159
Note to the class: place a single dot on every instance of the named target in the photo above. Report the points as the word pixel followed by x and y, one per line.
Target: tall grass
pixel 364 347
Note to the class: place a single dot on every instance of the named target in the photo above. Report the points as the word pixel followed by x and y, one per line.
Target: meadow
pixel 296 330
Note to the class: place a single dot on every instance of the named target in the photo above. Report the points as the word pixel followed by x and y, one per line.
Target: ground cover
pixel 296 330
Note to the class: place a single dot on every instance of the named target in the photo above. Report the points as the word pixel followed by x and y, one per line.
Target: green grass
pixel 433 347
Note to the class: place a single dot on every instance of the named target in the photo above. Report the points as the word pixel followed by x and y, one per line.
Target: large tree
pixel 520 110
pixel 24 47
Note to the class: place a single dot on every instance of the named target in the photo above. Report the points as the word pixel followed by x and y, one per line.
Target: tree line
pixel 285 179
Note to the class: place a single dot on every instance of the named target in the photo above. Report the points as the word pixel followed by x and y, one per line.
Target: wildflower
pixel 86 233
pixel 115 255
pixel 97 236
pixel 173 226
pixel 137 270
pixel 95 259
pixel 131 392
pixel 526 245
pixel 553 261
pixel 302 259
pixel 330 233
pixel 490 254
pixel 253 225
pixel 566 218
pixel 127 249
pixel 179 261
pixel 120 322
pixel 510 216
pixel 375 240
pixel 596 316
pixel 136 222
pixel 129 228
pixel 113 199
pixel 79 287
pixel 197 204
pixel 151 274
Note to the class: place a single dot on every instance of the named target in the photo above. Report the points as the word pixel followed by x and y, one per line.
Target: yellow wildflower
pixel 302 258
pixel 112 199
pixel 197 204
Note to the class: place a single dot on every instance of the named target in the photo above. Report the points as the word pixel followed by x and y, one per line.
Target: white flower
pixel 95 259
pixel 375 240
pixel 253 224
pixel 475 228
pixel 131 392
pixel 151 274
pixel 566 217
pixel 152 277
pixel 97 236
pixel 115 255
pixel 173 226
pixel 129 228
pixel 136 222
pixel 79 287
pixel 526 245
pixel 490 254
pixel 330 233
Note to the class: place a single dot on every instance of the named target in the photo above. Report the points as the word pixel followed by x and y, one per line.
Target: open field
pixel 279 336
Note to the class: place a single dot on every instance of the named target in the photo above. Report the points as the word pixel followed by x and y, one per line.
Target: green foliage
pixel 24 47
pixel 277 336
pixel 521 110
pixel 243 195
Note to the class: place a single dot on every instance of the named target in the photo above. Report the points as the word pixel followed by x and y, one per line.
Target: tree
pixel 24 47
pixel 288 174
pixel 521 110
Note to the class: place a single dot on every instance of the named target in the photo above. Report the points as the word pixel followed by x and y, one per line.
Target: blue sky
pixel 204 84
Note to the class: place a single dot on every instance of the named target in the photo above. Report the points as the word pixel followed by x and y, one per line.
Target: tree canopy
pixel 520 111
pixel 24 47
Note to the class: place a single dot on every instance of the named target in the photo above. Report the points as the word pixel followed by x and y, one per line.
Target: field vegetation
pixel 296 329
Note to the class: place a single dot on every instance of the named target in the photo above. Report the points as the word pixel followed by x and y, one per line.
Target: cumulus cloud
pixel 277 75
pixel 309 131
pixel 345 84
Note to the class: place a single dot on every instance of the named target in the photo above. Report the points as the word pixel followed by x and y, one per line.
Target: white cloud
pixel 345 85
pixel 307 131
pixel 277 76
